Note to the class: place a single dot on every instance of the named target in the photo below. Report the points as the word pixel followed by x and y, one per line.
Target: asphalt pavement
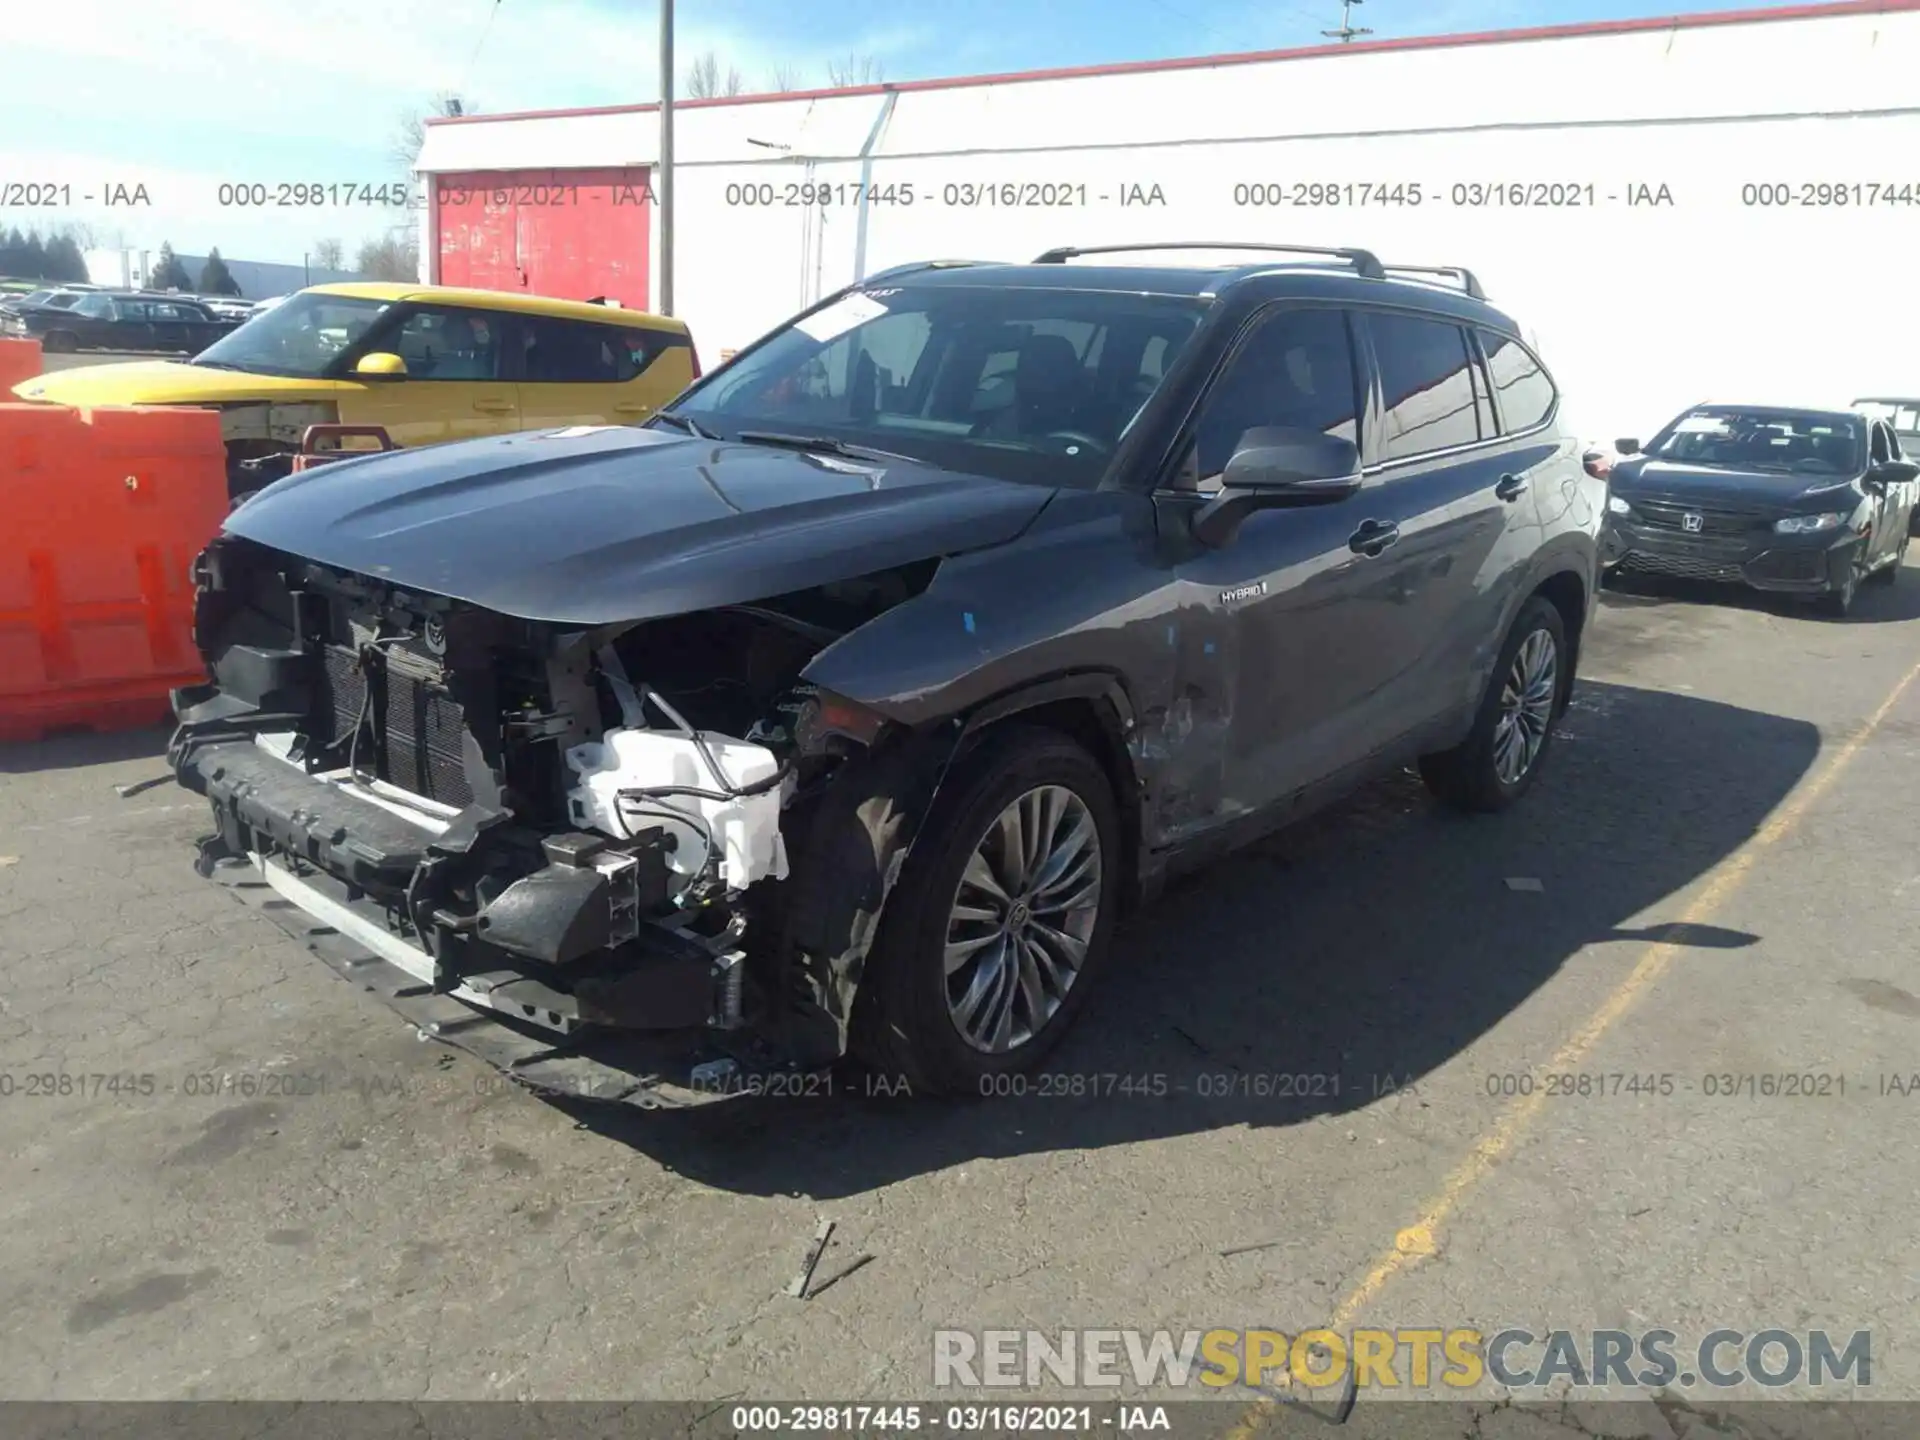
pixel 1715 881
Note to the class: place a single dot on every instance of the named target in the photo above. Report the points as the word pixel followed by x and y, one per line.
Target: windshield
pixel 302 336
pixel 1021 384
pixel 1779 440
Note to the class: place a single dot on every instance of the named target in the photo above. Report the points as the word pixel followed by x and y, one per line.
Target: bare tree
pixel 82 234
pixel 705 80
pixel 784 79
pixel 328 255
pixel 411 132
pixel 854 70
pixel 393 256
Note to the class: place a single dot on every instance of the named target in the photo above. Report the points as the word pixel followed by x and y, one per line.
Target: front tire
pixel 1889 573
pixel 1000 921
pixel 1838 604
pixel 1497 762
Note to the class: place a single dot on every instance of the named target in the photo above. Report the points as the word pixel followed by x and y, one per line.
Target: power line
pixel 1346 32
pixel 485 30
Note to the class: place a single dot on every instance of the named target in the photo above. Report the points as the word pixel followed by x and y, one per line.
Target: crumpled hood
pixel 600 524
pixel 1711 486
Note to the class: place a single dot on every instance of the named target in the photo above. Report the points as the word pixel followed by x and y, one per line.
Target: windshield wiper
pixel 818 443
pixel 685 424
pixel 216 364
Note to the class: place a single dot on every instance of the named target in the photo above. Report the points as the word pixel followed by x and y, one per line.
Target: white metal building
pixel 1711 206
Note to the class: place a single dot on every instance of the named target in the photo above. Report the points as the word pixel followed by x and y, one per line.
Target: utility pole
pixel 666 157
pixel 1346 32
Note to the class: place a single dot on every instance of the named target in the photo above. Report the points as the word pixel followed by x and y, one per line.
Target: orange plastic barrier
pixel 105 511
pixel 19 360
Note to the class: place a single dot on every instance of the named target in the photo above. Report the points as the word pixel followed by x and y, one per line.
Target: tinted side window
pixel 573 351
pixel 1426 382
pixel 1297 370
pixel 1881 449
pixel 1526 394
pixel 447 345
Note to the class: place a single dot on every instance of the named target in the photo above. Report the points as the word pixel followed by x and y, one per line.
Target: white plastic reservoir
pixel 746 831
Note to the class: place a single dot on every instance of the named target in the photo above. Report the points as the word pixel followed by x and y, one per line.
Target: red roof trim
pixel 1254 57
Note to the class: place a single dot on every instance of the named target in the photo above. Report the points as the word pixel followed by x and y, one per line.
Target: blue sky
pixel 184 95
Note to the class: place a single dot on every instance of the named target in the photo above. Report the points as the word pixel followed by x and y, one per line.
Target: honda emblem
pixel 1692 523
pixel 435 634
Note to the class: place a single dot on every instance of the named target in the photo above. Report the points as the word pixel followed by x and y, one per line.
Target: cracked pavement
pixel 292 1197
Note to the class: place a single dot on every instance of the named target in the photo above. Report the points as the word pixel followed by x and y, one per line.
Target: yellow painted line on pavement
pixel 1419 1239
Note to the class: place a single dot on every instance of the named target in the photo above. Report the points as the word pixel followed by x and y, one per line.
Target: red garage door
pixel 571 234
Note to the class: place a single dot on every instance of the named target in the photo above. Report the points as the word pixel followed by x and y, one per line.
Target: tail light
pixel 696 361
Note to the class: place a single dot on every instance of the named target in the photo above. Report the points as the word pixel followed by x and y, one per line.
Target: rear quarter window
pixel 1522 389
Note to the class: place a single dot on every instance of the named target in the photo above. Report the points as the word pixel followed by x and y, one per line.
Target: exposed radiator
pixel 421 727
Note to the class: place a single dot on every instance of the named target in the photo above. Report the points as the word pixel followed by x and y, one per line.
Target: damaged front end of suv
pixel 570 772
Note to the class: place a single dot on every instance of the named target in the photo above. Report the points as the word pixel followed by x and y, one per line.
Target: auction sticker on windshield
pixel 840 317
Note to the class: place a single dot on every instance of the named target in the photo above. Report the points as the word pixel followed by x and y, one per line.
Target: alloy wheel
pixel 1526 707
pixel 1022 919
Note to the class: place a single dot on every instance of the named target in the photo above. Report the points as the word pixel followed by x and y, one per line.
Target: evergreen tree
pixel 13 247
pixel 215 278
pixel 168 273
pixel 33 258
pixel 64 259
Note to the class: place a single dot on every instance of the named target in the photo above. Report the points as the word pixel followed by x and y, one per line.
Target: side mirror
pixel 1894 472
pixel 1627 447
pixel 380 364
pixel 1278 467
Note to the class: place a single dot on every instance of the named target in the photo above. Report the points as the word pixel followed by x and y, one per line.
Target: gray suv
pixel 843 706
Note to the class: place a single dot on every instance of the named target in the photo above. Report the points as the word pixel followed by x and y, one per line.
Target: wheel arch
pixel 1093 709
pixel 1569 594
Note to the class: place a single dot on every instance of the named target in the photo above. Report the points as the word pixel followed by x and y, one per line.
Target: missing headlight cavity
pixel 708 731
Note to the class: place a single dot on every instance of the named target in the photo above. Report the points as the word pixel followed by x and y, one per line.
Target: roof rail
pixel 917 265
pixel 1468 281
pixel 1364 262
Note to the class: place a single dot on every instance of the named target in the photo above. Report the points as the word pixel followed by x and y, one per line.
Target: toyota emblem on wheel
pixel 1692 523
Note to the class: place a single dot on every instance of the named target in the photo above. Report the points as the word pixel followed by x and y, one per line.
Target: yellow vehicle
pixel 426 363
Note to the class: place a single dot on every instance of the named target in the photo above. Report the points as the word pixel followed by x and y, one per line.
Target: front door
pixel 455 386
pixel 1288 595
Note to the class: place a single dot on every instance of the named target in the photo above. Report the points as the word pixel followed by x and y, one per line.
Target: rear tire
pixel 1513 729
pixel 1013 957
pixel 60 342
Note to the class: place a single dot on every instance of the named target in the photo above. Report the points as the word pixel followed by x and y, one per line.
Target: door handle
pixel 1511 487
pixel 493 407
pixel 633 408
pixel 1372 537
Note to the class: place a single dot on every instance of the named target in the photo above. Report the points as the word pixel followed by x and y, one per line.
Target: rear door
pixel 1463 513
pixel 576 372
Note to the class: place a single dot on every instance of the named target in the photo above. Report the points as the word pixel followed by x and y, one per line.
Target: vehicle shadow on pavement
pixel 1357 951
pixel 1874 604
pixel 78 749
